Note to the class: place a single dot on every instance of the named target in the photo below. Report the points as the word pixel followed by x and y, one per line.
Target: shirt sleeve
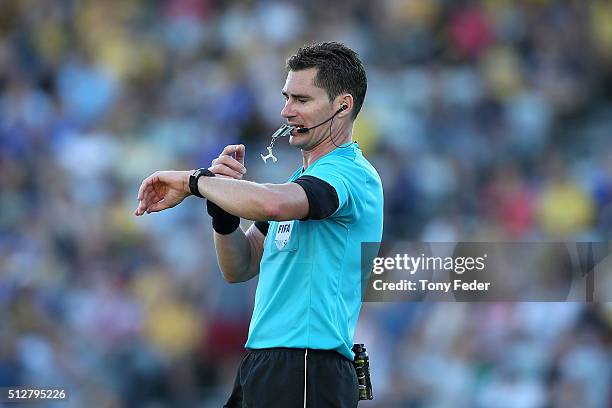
pixel 322 197
pixel 347 180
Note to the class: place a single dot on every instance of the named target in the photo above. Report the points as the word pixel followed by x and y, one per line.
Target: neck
pixel 326 146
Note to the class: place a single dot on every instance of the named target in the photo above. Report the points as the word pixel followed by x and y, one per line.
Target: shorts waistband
pixel 299 351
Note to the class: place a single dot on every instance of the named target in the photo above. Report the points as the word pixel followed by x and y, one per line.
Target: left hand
pixel 230 163
pixel 162 190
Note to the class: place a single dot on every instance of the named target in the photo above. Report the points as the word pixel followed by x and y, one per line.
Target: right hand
pixel 230 163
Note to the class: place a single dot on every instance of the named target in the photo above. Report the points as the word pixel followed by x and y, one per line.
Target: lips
pixel 295 128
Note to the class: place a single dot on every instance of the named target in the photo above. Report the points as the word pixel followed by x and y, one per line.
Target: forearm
pixel 253 201
pixel 234 255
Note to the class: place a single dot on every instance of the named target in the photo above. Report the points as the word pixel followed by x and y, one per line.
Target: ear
pixel 344 102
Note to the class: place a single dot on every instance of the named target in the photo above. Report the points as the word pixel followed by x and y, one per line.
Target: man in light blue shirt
pixel 309 290
pixel 306 242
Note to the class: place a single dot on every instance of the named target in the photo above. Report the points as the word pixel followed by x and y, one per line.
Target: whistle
pixel 284 130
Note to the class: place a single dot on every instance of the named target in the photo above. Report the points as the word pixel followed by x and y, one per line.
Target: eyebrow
pixel 297 96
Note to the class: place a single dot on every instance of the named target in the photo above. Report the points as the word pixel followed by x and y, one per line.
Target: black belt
pixel 300 351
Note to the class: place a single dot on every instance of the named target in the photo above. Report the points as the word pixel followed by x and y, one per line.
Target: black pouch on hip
pixel 362 367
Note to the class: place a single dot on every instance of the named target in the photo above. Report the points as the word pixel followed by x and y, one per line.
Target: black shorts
pixel 271 378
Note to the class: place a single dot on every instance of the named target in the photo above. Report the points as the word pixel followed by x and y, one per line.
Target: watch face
pixel 202 172
pixel 193 183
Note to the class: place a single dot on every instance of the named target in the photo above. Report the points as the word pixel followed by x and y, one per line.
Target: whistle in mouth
pixel 282 131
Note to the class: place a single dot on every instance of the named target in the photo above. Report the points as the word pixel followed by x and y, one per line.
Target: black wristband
pixel 193 180
pixel 223 222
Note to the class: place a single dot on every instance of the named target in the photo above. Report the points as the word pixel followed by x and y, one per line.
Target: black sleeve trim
pixel 322 197
pixel 262 226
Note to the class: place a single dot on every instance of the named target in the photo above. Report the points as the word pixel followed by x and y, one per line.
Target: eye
pixel 301 100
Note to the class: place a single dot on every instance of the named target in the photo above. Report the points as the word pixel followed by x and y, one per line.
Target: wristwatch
pixel 193 180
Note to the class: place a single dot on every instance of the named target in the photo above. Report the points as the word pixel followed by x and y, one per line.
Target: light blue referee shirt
pixel 309 289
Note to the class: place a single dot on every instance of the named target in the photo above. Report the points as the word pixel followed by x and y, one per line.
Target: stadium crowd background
pixel 487 120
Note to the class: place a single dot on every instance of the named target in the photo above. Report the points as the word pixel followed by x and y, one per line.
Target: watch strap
pixel 193 180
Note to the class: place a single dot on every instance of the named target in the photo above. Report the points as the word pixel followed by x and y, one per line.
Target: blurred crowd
pixel 487 120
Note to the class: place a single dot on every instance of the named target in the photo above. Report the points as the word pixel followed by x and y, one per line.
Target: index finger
pixel 145 183
pixel 238 150
pixel 240 153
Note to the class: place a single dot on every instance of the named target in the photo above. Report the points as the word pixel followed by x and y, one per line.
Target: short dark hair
pixel 339 70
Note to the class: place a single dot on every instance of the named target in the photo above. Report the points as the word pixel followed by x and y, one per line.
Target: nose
pixel 287 111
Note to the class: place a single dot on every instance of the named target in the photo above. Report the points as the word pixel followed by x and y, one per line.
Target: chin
pixel 296 140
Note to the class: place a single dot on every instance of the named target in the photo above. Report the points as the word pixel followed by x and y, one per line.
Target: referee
pixel 306 242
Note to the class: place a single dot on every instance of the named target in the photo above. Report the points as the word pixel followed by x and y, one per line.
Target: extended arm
pixel 245 199
pixel 253 201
